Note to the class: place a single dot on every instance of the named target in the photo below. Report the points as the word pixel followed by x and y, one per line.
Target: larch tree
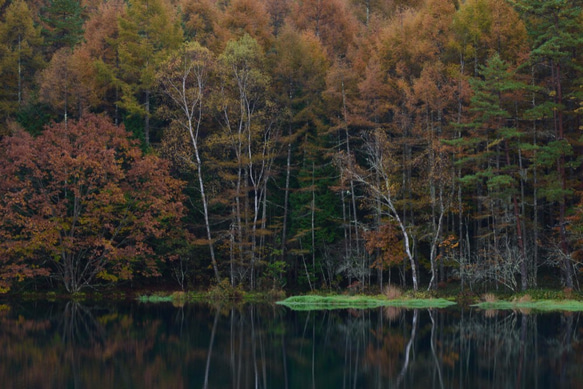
pixel 21 56
pixel 329 20
pixel 201 22
pixel 147 32
pixel 248 17
pixel 298 76
pixel 61 88
pixel 98 52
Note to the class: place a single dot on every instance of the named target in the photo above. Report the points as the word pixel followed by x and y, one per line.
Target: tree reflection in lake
pixel 55 345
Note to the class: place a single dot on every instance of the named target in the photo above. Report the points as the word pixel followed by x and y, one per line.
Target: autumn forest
pixel 291 144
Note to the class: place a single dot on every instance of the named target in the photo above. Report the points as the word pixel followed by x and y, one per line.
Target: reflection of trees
pixel 72 345
pixel 510 349
pixel 57 346
pixel 79 327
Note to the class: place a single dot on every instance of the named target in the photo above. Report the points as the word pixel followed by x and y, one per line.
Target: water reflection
pixel 44 345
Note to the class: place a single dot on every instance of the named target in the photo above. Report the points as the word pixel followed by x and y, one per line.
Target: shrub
pixel 523 299
pixel 225 291
pixel 393 292
pixel 489 298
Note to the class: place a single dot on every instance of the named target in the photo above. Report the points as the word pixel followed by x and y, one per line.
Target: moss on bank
pixel 541 305
pixel 359 302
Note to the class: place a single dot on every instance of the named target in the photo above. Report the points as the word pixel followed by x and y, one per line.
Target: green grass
pixel 155 299
pixel 306 303
pixel 541 305
pixel 215 295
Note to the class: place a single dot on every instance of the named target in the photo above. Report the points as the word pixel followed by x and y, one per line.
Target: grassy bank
pixel 214 295
pixel 540 305
pixel 312 302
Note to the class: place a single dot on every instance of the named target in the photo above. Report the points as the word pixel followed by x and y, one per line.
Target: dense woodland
pixel 296 144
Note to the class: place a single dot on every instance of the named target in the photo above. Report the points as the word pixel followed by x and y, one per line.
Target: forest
pixel 291 144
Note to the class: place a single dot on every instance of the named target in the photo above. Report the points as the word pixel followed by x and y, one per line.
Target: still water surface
pixel 133 345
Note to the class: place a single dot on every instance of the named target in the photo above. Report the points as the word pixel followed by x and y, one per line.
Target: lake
pixel 136 345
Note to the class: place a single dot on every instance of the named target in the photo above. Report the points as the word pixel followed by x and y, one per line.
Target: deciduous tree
pixel 184 79
pixel 148 30
pixel 82 203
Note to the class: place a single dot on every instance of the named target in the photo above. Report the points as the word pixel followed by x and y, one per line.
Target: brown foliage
pixel 386 243
pixel 81 202
pixel 329 20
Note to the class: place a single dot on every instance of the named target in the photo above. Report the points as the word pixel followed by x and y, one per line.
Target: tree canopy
pixel 304 144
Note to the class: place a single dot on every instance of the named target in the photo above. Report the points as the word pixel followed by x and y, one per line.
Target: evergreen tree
pixel 62 24
pixel 495 179
pixel 556 36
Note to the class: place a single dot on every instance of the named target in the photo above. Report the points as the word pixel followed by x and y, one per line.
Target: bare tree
pixel 378 180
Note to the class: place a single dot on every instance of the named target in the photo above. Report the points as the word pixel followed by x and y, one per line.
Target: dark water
pixel 132 345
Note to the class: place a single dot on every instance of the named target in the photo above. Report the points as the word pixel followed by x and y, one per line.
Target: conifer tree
pixel 20 56
pixel 496 142
pixel 556 36
pixel 147 32
pixel 62 24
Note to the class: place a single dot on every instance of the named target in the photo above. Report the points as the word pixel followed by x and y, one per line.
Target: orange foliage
pixel 386 243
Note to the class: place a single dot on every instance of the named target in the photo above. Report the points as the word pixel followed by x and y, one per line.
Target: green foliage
pixel 225 292
pixel 63 23
pixel 543 305
pixel 20 57
pixel 146 34
pixel 34 117
pixel 155 299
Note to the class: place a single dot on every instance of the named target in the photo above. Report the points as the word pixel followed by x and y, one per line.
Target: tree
pixel 147 32
pixel 99 55
pixel 495 143
pixel 82 203
pixel 62 24
pixel 249 134
pixel 380 183
pixel 184 79
pixel 556 37
pixel 248 17
pixel 299 74
pixel 61 86
pixel 20 56
pixel 200 19
pixel 329 20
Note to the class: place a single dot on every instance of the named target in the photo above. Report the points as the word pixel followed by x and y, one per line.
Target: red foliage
pixel 81 202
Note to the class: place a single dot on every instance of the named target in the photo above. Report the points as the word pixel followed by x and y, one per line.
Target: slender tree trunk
pixel 286 196
pixel 205 206
pixel 313 218
pixel 568 273
pixel 19 71
pixel 147 118
pixel 351 168
pixel 518 224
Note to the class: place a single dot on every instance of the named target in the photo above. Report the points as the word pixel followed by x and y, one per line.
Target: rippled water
pixel 133 345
